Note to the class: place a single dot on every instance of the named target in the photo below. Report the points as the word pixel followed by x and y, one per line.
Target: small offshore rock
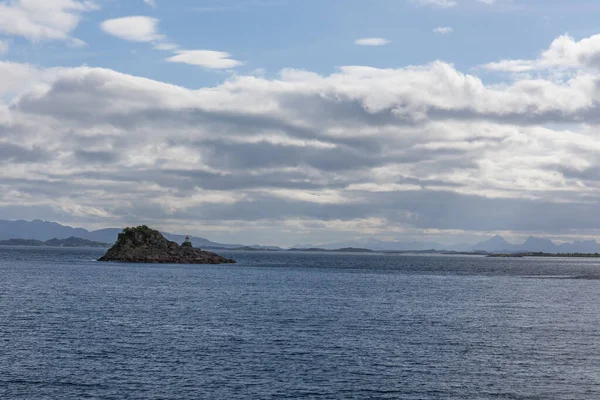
pixel 145 245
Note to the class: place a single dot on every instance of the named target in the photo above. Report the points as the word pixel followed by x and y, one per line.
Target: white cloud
pixel 18 78
pixel 564 52
pixel 372 42
pixel 489 2
pixel 134 29
pixel 205 58
pixel 39 20
pixel 381 149
pixel 437 3
pixel 443 30
pixel 151 3
pixel 145 29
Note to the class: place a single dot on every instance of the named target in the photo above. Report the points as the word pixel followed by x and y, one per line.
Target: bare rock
pixel 145 245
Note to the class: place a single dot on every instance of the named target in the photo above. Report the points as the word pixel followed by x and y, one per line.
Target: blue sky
pixel 314 35
pixel 285 122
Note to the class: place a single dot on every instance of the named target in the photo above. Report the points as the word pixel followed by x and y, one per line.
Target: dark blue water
pixel 296 325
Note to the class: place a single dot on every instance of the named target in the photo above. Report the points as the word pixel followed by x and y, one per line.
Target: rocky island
pixel 145 245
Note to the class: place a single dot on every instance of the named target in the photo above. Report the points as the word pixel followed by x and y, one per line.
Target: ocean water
pixel 298 325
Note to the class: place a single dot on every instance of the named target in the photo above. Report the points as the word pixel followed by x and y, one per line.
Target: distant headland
pixel 541 254
pixel 69 242
pixel 146 245
pixel 343 250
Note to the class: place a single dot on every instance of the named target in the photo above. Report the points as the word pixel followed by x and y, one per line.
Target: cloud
pixel 39 20
pixel 564 52
pixel 145 29
pixel 151 3
pixel 437 3
pixel 488 2
pixel 12 153
pixel 372 42
pixel 134 29
pixel 19 78
pixel 205 58
pixel 443 30
pixel 420 150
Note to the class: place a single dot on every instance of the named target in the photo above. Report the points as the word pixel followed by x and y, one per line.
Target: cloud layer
pixel 40 20
pixel 564 53
pixel 422 150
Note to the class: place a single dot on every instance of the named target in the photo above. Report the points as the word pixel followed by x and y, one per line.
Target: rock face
pixel 145 245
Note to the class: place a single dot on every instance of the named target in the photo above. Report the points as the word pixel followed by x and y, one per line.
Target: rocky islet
pixel 145 245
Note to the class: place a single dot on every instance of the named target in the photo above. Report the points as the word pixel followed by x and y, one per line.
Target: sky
pixel 286 122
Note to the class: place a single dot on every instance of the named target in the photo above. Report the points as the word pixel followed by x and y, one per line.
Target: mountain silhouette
pixel 46 230
pixel 497 243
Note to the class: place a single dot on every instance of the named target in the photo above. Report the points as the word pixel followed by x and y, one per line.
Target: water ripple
pixel 290 326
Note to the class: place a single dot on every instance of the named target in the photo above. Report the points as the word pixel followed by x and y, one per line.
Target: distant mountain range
pixel 534 244
pixel 69 242
pixel 496 244
pixel 44 231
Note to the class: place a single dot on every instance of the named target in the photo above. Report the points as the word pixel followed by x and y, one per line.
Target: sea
pixel 293 325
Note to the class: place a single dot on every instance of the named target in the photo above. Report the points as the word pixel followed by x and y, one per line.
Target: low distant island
pixel 550 255
pixel 344 250
pixel 145 245
pixel 69 242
